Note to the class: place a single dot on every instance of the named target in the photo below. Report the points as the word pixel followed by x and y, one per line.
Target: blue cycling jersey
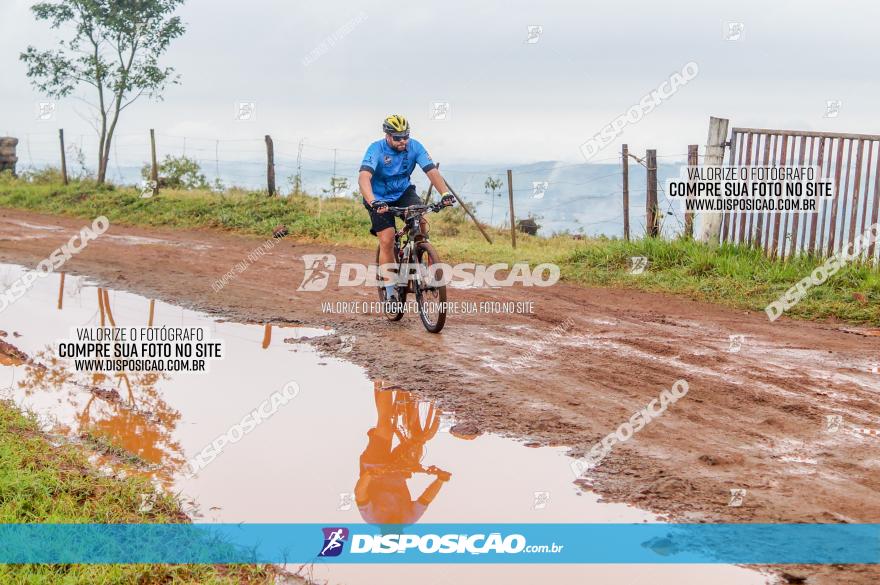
pixel 392 169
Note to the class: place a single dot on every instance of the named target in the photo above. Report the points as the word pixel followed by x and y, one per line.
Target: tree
pixel 492 184
pixel 338 186
pixel 115 49
pixel 295 183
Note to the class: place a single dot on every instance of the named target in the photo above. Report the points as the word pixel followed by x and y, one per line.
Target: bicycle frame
pixel 413 234
pixel 413 253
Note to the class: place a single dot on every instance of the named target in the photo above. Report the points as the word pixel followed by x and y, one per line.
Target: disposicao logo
pixel 450 543
pixel 334 540
pixel 318 269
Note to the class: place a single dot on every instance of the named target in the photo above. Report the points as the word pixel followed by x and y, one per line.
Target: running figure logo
pixel 317 271
pixel 637 264
pixel 539 188
pixel 334 539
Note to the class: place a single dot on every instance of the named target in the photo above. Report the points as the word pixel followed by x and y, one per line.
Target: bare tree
pixel 492 184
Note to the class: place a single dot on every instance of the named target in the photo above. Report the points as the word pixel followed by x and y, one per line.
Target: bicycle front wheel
pixel 430 295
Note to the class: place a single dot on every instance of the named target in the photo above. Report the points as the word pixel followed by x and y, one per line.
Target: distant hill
pixel 575 197
pixel 578 197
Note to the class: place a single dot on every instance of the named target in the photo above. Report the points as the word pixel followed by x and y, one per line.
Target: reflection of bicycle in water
pixel 394 454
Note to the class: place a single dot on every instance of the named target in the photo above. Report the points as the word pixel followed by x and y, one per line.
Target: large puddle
pixel 346 449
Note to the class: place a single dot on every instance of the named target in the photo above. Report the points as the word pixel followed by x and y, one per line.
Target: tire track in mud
pixel 754 418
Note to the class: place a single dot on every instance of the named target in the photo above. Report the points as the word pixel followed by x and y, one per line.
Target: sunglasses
pixel 399 137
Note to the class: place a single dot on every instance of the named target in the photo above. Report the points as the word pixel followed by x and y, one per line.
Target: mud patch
pixel 593 386
pixel 346 449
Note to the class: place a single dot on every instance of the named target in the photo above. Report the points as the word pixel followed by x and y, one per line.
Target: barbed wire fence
pixel 561 197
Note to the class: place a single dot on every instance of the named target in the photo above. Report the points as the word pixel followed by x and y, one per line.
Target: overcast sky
pixel 510 100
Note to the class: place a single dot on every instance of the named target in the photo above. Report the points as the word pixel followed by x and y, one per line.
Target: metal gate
pixel 837 222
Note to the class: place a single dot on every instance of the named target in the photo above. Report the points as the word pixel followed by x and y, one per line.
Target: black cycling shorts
pixel 383 221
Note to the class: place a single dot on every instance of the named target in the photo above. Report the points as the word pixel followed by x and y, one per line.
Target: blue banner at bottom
pixel 442 543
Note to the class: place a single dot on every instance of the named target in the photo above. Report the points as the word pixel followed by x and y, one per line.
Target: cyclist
pixel 384 180
pixel 381 493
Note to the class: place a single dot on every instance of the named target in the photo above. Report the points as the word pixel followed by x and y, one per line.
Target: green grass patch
pixel 41 483
pixel 735 276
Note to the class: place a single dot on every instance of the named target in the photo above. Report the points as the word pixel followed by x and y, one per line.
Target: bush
pixel 42 176
pixel 180 172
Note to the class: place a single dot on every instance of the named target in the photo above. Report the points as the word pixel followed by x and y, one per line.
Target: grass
pixel 104 444
pixel 735 276
pixel 40 483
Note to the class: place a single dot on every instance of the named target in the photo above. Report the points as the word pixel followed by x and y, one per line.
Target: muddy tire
pixel 431 299
pixel 391 315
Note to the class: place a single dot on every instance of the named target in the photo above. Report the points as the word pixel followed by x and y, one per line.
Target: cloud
pixel 511 101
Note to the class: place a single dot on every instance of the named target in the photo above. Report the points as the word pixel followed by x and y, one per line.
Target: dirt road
pixel 755 416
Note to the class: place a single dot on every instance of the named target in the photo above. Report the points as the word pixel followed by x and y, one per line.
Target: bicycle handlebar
pixel 414 468
pixel 434 207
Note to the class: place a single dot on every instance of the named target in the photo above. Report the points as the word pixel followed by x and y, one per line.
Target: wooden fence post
pixel 693 160
pixel 270 165
pixel 625 154
pixel 855 197
pixel 63 156
pixel 832 225
pixel 876 210
pixel 652 220
pixel 510 200
pixel 154 173
pixel 710 223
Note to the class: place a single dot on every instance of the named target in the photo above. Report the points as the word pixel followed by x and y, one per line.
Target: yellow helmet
pixel 395 124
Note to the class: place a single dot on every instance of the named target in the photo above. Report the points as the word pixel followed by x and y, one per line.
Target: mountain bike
pixel 409 470
pixel 414 256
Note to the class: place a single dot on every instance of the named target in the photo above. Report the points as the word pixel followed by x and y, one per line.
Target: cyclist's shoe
pixel 393 303
pixel 390 293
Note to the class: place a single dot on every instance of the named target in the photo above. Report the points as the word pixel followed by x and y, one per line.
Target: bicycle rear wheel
pixel 431 299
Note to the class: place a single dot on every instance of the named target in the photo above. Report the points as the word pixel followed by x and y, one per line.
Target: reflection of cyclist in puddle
pixel 381 491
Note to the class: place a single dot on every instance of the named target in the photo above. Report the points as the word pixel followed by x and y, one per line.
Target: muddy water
pixel 306 462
